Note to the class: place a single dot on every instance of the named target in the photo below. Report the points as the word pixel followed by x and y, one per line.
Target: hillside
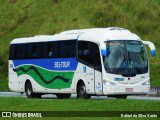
pixel 24 18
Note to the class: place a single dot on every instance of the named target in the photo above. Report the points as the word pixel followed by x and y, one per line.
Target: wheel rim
pixel 82 90
pixel 29 91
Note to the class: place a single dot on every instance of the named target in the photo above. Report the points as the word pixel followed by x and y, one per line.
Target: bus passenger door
pixel 98 81
pixel 90 53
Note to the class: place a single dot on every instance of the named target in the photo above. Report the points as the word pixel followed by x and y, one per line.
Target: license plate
pixel 129 89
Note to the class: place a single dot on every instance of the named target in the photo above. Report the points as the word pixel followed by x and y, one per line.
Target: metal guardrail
pixel 154 91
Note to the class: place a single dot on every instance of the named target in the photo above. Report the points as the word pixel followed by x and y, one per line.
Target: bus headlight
pixel 146 83
pixel 108 83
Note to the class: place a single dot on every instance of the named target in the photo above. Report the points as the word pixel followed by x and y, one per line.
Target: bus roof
pixel 92 34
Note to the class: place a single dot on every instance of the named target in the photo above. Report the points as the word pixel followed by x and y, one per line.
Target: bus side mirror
pixel 104 53
pixel 151 46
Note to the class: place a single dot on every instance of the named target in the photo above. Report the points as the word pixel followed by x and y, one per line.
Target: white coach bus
pixel 99 61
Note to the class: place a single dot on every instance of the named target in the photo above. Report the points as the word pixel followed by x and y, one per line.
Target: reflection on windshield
pixel 126 57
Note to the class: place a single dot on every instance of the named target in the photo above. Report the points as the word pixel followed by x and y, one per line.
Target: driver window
pixel 89 52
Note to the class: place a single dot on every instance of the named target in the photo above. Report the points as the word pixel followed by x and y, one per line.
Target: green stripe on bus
pixel 46 78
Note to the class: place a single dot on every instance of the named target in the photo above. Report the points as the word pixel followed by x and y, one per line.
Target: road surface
pixel 50 96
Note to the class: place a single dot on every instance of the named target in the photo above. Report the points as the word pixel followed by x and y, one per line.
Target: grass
pixel 33 17
pixel 4 85
pixel 24 104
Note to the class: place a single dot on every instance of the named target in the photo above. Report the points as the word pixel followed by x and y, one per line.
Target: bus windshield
pixel 125 57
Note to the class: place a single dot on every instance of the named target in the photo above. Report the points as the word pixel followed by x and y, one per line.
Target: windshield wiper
pixel 129 59
pixel 129 75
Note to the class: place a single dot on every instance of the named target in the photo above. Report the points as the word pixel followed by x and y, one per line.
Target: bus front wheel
pixel 81 91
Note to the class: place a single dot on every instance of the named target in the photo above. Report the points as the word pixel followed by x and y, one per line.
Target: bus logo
pixel 84 69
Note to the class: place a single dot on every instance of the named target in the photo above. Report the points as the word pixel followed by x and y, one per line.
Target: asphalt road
pixel 50 96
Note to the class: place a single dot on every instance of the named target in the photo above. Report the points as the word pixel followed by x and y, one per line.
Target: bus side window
pixel 17 51
pixel 50 50
pixel 22 51
pixel 12 52
pixel 63 49
pixel 44 50
pixel 67 49
pixel 28 51
pixel 89 52
pixel 72 49
pixel 32 50
pixel 53 50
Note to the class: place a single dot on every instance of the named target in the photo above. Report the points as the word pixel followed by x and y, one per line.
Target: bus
pixel 88 62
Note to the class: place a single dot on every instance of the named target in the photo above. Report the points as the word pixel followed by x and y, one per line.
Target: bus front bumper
pixel 126 90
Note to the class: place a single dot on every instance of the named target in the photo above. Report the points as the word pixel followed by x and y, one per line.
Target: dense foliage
pixel 24 18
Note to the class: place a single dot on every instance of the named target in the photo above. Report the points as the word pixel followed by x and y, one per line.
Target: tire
pixel 63 96
pixel 81 91
pixel 29 91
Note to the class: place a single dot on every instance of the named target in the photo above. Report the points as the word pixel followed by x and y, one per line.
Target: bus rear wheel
pixel 81 91
pixel 29 91
pixel 63 96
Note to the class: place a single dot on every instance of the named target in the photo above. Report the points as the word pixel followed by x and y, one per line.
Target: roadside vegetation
pixel 38 17
pixel 40 105
pixel 26 104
